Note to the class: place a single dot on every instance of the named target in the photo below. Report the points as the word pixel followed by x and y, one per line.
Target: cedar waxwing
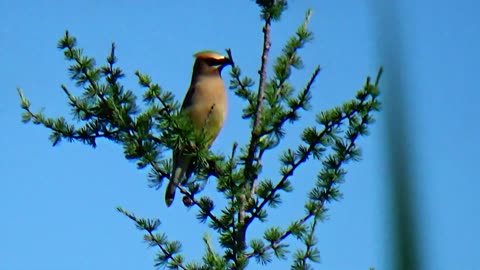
pixel 206 105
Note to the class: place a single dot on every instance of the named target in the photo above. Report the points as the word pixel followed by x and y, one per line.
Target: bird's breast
pixel 208 105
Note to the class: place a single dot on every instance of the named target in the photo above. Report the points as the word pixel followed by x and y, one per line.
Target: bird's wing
pixel 188 100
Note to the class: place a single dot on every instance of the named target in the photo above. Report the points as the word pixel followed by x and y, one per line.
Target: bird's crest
pixel 209 55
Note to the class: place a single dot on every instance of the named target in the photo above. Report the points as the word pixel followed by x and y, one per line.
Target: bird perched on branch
pixel 205 104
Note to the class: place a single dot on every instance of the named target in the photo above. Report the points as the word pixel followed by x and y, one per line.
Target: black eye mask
pixel 216 62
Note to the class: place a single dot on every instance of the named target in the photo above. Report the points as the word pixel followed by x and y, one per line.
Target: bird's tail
pixel 179 170
pixel 170 193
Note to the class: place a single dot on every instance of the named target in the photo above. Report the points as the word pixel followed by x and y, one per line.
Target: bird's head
pixel 210 62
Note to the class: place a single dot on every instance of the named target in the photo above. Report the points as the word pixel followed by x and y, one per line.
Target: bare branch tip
pixel 308 15
pixel 229 54
pixel 379 74
pixel 20 92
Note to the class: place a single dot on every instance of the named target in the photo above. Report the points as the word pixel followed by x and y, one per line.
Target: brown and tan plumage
pixel 206 105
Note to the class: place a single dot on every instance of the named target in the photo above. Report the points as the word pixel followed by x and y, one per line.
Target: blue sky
pixel 58 204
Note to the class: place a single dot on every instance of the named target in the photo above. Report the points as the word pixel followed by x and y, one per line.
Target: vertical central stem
pixel 250 176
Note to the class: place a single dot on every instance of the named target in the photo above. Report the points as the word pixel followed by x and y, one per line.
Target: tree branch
pixel 320 204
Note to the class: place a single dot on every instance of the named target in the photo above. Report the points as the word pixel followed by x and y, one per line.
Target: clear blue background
pixel 58 204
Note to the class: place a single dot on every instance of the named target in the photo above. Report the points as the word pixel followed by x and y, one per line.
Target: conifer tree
pixel 149 126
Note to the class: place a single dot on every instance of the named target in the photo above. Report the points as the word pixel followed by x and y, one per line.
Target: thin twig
pixel 169 255
pixel 237 76
pixel 308 244
pixel 232 202
pixel 105 134
pixel 152 237
pixel 305 90
pixel 290 60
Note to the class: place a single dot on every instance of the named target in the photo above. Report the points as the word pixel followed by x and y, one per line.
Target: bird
pixel 205 104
